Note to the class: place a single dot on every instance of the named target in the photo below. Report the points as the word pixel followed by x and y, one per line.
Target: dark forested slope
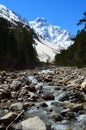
pixel 16 46
pixel 75 55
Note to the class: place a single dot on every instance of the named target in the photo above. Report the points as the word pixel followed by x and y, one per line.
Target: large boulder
pixel 34 123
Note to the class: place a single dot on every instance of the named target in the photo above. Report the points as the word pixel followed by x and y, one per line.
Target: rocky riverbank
pixel 43 99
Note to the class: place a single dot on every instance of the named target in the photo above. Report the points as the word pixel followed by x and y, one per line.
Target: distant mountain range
pixel 49 39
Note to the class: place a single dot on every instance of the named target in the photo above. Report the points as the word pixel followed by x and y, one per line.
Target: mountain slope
pixel 8 14
pixel 46 51
pixel 16 44
pixel 54 34
pixel 48 39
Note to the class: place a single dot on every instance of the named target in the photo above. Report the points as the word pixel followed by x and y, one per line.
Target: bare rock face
pixel 34 123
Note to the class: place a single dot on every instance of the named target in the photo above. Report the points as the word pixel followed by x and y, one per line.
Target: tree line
pixel 75 55
pixel 16 46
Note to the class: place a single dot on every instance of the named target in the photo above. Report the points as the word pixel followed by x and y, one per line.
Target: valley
pixel 42 75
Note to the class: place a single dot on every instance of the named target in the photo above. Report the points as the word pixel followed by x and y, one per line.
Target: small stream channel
pixel 53 107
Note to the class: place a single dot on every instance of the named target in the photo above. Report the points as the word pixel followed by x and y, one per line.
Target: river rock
pixel 33 96
pixel 3 111
pixel 28 105
pixel 83 85
pixel 48 97
pixel 43 104
pixel 3 73
pixel 82 120
pixel 64 111
pixel 48 78
pixel 23 91
pixel 76 96
pixel 6 119
pixel 14 95
pixel 34 123
pixel 32 88
pixel 63 97
pixel 15 85
pixel 68 114
pixel 56 116
pixel 39 86
pixel 75 82
pixel 77 107
pixel 16 106
pixel 4 94
pixel 16 126
pixel 5 87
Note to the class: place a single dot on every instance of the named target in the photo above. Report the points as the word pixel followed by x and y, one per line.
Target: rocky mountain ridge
pixel 54 34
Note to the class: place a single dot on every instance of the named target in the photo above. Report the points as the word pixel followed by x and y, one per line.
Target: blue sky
pixel 64 13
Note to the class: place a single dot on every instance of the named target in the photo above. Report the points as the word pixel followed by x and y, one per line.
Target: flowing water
pixel 79 123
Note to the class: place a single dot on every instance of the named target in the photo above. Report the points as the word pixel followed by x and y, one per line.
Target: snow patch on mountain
pixel 11 16
pixel 50 38
pixel 46 51
pixel 53 34
pixel 8 14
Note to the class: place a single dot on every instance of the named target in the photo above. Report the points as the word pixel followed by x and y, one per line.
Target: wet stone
pixel 58 96
pixel 77 107
pixel 63 112
pixel 56 116
pixel 63 97
pixel 43 105
pixel 48 97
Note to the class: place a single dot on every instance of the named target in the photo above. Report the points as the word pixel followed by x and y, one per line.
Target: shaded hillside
pixel 16 50
pixel 75 55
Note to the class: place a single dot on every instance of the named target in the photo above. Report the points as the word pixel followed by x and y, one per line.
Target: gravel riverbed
pixel 43 99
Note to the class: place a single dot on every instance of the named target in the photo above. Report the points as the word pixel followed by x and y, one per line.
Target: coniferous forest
pixel 17 51
pixel 16 46
pixel 36 94
pixel 75 55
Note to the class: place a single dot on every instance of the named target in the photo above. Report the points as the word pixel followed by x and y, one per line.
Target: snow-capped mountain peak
pixel 40 19
pixel 8 14
pixel 54 34
pixel 49 39
pixel 11 16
